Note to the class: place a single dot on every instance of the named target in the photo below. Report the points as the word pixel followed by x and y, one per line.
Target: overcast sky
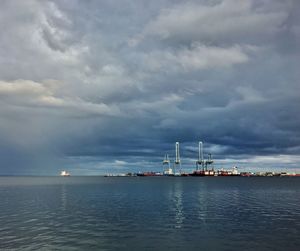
pixel 110 86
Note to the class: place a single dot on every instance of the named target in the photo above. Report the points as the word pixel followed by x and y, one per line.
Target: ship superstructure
pixel 64 173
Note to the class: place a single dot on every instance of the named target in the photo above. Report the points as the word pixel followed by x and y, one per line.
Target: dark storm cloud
pixel 97 85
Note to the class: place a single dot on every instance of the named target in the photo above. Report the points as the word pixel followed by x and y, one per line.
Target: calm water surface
pixel 149 213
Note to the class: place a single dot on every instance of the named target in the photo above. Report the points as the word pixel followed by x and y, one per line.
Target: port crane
pixel 200 162
pixel 169 170
pixel 166 161
pixel 209 162
pixel 177 157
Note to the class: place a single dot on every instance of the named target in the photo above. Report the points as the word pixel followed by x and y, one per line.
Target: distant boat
pixel 64 173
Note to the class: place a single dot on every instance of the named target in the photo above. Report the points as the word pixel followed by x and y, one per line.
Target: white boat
pixel 64 173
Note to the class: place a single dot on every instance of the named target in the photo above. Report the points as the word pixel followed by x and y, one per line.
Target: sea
pixel 149 213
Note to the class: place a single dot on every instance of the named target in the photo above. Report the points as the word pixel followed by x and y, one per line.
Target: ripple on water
pixel 150 213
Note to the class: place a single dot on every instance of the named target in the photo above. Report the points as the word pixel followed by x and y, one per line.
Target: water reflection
pixel 202 202
pixel 176 193
pixel 63 196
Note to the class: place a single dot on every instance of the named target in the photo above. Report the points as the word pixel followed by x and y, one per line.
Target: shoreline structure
pixel 204 167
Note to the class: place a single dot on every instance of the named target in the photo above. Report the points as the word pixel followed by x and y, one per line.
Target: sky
pixel 98 86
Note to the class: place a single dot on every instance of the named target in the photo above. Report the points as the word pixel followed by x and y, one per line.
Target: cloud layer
pixel 98 86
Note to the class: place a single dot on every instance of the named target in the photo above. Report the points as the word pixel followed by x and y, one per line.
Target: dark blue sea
pixel 149 213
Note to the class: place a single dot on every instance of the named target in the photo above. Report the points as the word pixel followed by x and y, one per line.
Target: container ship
pixel 149 174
